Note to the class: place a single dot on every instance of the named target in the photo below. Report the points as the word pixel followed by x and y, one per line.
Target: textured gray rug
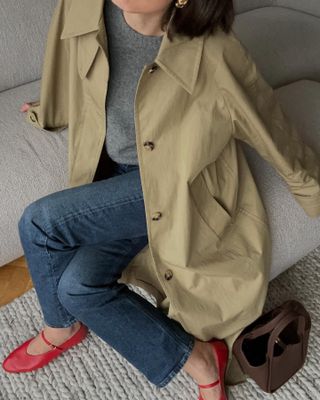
pixel 93 370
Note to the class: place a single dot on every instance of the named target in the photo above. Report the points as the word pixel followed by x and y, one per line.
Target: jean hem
pixel 179 365
pixel 63 325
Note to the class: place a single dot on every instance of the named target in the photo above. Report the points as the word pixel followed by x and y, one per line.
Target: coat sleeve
pixel 50 112
pixel 259 120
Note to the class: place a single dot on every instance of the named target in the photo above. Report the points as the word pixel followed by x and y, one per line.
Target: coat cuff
pixel 310 204
pixel 32 115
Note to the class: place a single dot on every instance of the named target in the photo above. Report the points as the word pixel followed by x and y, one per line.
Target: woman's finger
pixel 25 107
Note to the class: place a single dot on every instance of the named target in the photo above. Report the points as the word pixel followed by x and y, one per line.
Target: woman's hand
pixel 25 107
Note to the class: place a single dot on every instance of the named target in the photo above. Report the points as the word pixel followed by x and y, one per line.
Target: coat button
pixel 156 216
pixel 153 68
pixel 168 274
pixel 149 145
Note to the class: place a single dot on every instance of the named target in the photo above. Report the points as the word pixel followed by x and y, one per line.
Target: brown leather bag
pixel 274 347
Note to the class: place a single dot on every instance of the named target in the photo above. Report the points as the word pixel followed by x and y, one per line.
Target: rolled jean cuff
pixel 179 365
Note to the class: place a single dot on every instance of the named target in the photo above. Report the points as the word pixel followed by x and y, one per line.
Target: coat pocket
pixel 248 236
pixel 210 210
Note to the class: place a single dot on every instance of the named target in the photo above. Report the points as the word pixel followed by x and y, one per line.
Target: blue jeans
pixel 77 242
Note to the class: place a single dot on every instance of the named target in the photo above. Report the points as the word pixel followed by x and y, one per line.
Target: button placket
pixel 149 145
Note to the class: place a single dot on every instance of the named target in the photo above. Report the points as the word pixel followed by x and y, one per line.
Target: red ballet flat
pixel 21 361
pixel 220 350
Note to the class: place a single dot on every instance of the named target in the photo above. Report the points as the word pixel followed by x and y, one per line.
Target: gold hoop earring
pixel 181 3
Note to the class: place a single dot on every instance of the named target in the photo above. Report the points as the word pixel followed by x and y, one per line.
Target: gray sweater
pixel 128 52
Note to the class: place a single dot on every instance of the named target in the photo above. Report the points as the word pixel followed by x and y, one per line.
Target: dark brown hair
pixel 198 17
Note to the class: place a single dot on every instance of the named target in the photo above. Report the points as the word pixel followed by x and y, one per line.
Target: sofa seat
pixel 33 164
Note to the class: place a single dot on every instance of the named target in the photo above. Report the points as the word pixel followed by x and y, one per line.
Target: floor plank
pixel 15 280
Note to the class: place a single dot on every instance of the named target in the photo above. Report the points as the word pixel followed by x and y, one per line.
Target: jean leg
pixel 58 227
pixel 66 220
pixel 155 344
pixel 44 275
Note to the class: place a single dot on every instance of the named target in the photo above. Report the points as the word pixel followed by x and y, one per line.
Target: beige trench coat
pixel 208 257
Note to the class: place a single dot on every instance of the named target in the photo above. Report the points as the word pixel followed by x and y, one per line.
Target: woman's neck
pixel 146 24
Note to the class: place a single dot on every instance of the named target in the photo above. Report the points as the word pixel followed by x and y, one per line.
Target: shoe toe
pixel 8 365
pixel 19 360
pixel 12 362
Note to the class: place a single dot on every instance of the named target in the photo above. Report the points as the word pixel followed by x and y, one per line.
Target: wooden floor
pixel 14 280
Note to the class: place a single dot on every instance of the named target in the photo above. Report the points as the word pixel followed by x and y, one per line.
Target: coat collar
pixel 179 58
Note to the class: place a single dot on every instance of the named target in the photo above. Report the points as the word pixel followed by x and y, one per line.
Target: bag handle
pixel 279 328
pixel 268 327
pixel 263 329
pixel 273 338
pixel 287 307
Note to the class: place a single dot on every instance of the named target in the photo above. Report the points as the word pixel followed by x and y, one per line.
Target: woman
pixel 109 241
pixel 209 227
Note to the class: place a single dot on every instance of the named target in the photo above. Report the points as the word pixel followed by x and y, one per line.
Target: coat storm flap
pixel 208 258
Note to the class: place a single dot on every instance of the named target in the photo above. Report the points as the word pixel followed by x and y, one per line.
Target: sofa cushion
pixel 23 29
pixel 241 6
pixel 283 42
pixel 33 164
pixel 309 6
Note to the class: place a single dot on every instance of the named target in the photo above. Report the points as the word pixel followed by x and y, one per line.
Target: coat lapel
pixel 82 17
pixel 180 58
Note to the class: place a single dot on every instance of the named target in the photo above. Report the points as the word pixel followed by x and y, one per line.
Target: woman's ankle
pixel 55 335
pixel 61 332
pixel 201 361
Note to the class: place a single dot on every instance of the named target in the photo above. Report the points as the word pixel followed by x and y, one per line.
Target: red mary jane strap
pixel 50 344
pixel 209 385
